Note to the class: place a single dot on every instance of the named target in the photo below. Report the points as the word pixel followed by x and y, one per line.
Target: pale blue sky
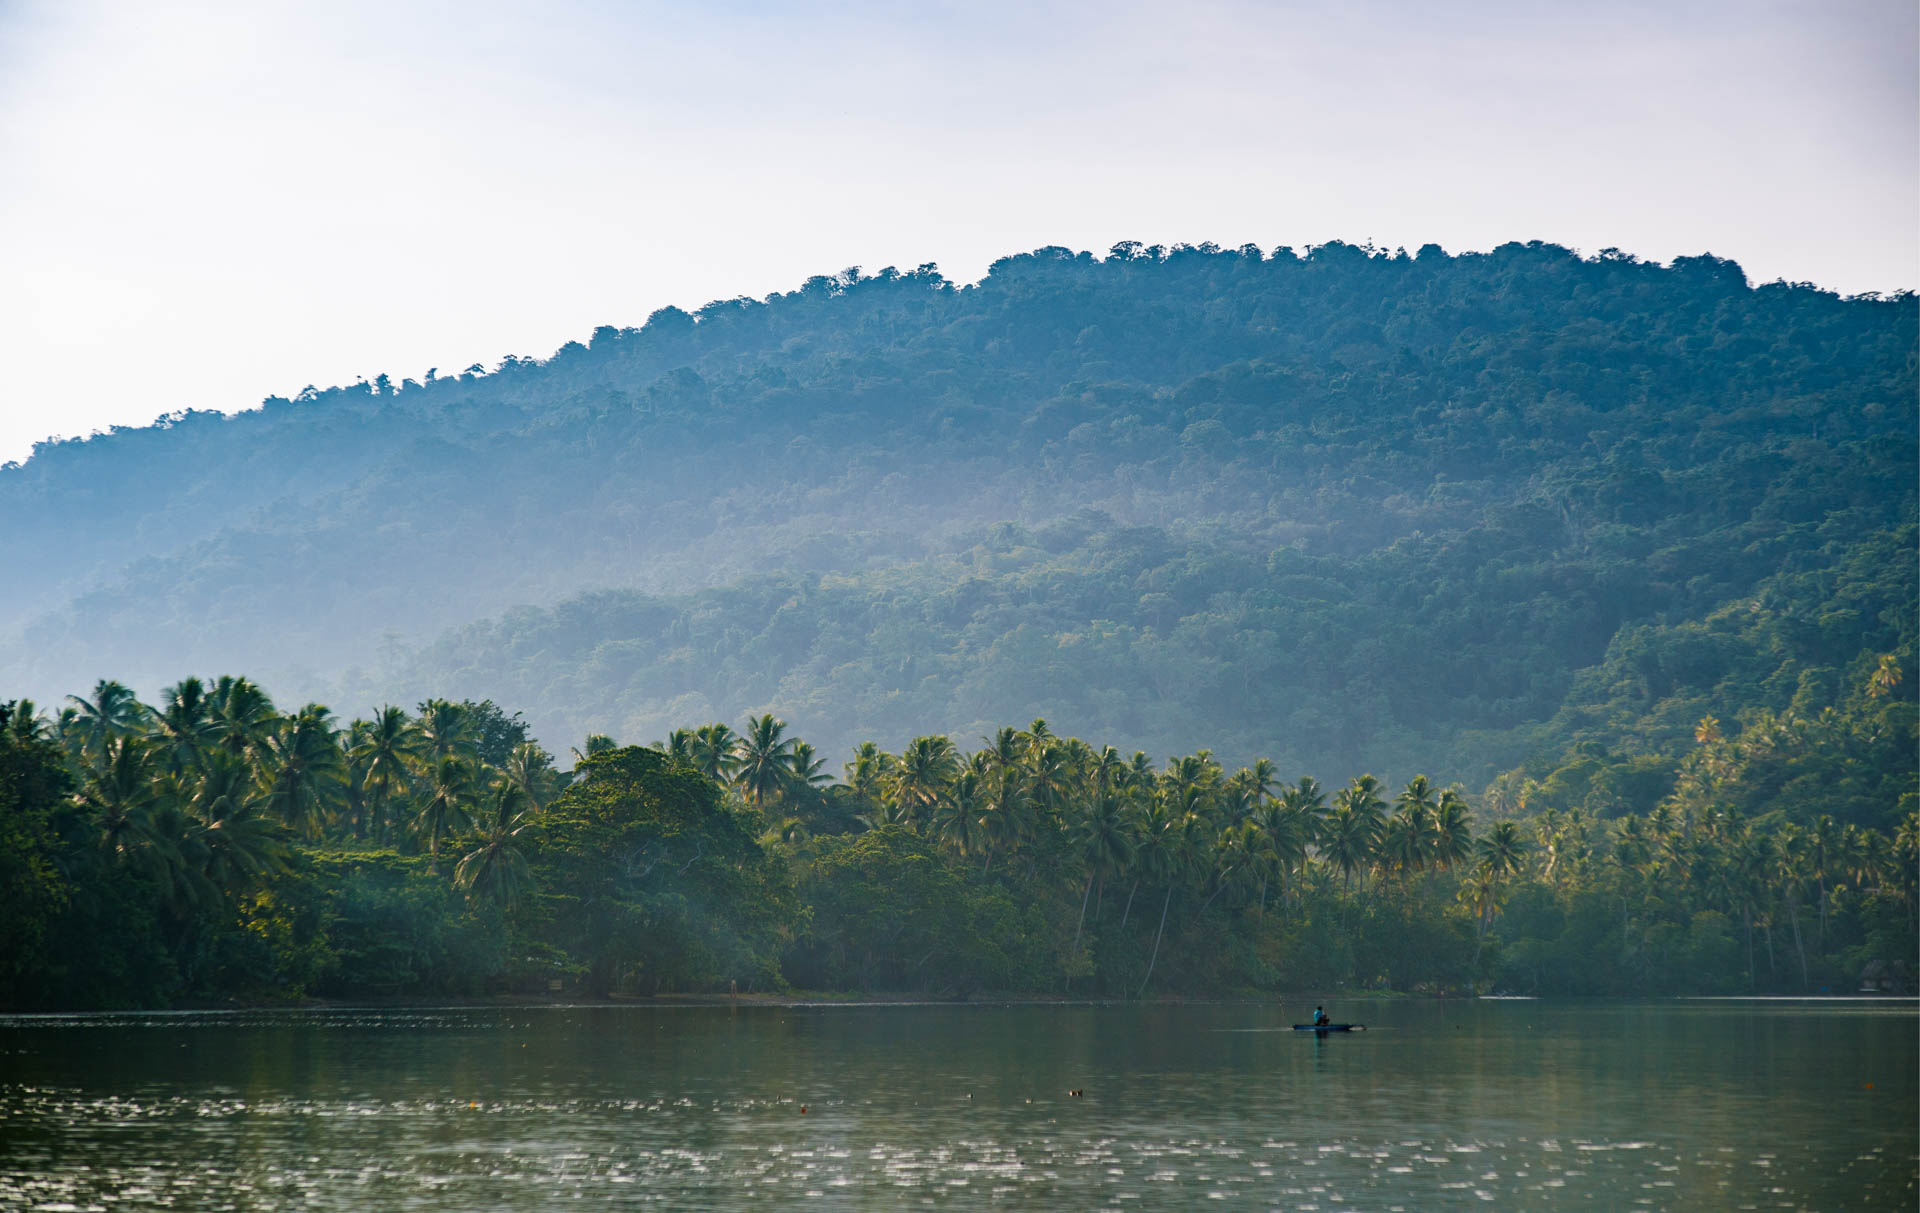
pixel 205 203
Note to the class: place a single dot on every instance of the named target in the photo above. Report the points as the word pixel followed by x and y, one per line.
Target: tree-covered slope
pixel 1347 508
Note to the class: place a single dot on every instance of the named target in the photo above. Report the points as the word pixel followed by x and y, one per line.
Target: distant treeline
pixel 1351 508
pixel 214 848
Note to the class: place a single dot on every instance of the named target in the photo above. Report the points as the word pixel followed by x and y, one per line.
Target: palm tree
pixel 1822 854
pixel 119 789
pixel 530 768
pixel 1352 832
pixel 185 726
pixel 1279 842
pixel 243 717
pixel 303 770
pixel 809 770
pixel 921 776
pixel 1417 806
pixel 1399 851
pixel 956 816
pixel 1104 840
pixel 446 731
pixel 761 758
pixel 243 845
pixel 1163 856
pixel 385 752
pixel 1108 771
pixel 678 746
pixel 1793 871
pixel 1003 810
pixel 1262 777
pixel 867 773
pixel 496 869
pixel 1049 780
pixel 1037 737
pixel 1452 830
pixel 23 722
pixel 1140 772
pixel 112 712
pixel 444 811
pixel 712 750
pixel 1006 749
pixel 1308 802
pixel 1503 850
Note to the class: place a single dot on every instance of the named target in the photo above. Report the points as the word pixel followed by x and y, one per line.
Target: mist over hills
pixel 1349 509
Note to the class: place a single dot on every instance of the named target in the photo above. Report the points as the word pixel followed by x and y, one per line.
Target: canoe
pixel 1330 1027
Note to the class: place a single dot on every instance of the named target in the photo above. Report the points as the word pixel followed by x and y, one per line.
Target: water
pixel 1462 1105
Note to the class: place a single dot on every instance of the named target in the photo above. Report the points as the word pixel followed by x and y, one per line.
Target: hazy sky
pixel 206 203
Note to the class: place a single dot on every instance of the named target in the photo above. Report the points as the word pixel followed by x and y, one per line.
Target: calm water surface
pixel 1462 1105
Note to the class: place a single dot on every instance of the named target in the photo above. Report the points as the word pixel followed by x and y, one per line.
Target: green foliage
pixel 1630 548
pixel 149 870
pixel 1351 509
pixel 655 883
pixel 891 912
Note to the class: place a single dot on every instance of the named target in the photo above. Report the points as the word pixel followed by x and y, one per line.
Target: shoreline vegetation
pixel 216 849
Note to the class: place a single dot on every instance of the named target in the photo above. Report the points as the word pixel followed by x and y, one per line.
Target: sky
pixel 206 203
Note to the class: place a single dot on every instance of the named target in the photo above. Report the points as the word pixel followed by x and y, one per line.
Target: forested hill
pixel 1348 509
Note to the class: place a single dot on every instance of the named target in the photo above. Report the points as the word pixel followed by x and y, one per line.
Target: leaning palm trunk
pixel 1151 960
pixel 1799 945
pixel 1087 892
pixel 1129 910
pixel 1747 913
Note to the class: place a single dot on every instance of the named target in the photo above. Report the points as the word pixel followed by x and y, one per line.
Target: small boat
pixel 1330 1027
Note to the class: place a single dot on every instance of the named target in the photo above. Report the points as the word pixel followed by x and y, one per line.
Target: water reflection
pixel 1440 1106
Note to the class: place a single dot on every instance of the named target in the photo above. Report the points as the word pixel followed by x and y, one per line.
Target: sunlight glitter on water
pixel 448 1112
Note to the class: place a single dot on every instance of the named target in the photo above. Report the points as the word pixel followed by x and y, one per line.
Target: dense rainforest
pixel 215 848
pixel 1621 555
pixel 1350 509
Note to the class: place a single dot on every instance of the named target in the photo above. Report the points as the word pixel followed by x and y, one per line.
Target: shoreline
pixel 800 1000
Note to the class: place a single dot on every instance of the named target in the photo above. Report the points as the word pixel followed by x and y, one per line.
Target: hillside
pixel 1347 509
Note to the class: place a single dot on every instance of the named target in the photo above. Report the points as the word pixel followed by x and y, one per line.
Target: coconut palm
pixel 1351 834
pixel 1004 810
pixel 243 717
pixel 1049 780
pixel 712 751
pixel 446 731
pixel 243 845
pixel 808 769
pixel 1452 830
pixel 120 792
pixel 1308 802
pixel 23 722
pixel 921 776
pixel 385 752
pixel 1503 850
pixel 184 726
pixel 956 816
pixel 761 758
pixel 1104 840
pixel 1006 749
pixel 445 809
pixel 1278 843
pixel 497 870
pixel 678 746
pixel 303 771
pixel 529 768
pixel 867 773
pixel 112 712
pixel 1107 772
pixel 1163 856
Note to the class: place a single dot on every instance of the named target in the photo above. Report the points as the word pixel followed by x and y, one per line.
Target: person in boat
pixel 1320 1017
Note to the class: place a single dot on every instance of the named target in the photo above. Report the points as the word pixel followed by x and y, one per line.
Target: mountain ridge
pixel 1609 421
